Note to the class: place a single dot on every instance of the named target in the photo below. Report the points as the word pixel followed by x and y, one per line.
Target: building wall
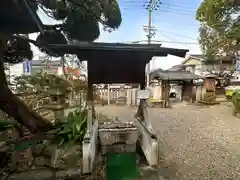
pixel 156 92
pixel 15 70
pixel 37 69
pixel 177 89
pixel 192 62
pixel 200 91
pixel 200 69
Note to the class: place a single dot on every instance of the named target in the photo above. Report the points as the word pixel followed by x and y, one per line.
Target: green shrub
pixel 236 102
pixel 72 129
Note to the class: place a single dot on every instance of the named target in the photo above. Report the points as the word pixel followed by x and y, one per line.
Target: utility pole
pixel 150 30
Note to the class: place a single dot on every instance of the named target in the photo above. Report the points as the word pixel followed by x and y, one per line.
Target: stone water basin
pixel 117 136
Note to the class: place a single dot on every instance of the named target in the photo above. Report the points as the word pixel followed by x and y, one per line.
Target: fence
pixel 119 96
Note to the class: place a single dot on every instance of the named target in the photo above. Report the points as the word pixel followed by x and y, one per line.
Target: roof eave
pixel 154 49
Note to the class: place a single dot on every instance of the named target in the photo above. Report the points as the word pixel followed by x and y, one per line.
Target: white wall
pixel 16 70
pixel 177 89
pixel 200 69
pixel 156 92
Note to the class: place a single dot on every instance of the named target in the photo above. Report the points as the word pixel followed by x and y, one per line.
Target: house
pixel 56 67
pixel 179 82
pixel 38 65
pixel 197 64
pixel 13 70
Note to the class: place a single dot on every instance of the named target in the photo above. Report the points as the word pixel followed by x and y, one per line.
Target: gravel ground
pixel 196 142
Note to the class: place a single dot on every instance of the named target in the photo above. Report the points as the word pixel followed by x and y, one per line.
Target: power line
pixel 180 35
pixel 170 42
pixel 143 7
pixel 176 12
pixel 162 4
pixel 176 5
pixel 177 9
pixel 157 5
pixel 170 38
pixel 167 10
pixel 177 42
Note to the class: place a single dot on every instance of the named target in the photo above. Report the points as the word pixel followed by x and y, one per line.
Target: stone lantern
pixel 209 84
pixel 57 104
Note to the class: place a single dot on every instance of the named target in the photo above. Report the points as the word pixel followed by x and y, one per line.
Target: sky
pixel 174 21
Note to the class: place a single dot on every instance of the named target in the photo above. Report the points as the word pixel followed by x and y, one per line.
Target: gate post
pixel 108 94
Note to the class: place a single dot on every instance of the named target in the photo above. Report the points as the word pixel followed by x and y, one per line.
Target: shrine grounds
pixel 196 142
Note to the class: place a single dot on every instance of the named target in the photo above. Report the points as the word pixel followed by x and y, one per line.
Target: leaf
pixel 77 137
pixel 70 136
pixel 65 130
pixel 74 129
pixel 61 142
pixel 218 31
pixel 78 127
pixel 70 115
pixel 5 124
pixel 68 144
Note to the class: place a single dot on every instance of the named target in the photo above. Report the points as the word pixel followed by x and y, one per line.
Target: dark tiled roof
pixel 174 75
pixel 89 48
pixel 176 68
pixel 116 63
pixel 201 56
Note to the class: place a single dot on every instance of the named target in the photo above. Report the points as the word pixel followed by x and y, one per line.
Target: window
pixel 189 69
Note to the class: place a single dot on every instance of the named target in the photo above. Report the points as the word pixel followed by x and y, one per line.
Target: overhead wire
pixel 183 43
pixel 140 5
pixel 160 7
pixel 176 5
pixel 178 34
pixel 158 41
pixel 127 2
pixel 162 3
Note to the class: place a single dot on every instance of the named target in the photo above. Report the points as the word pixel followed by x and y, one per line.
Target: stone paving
pixel 196 142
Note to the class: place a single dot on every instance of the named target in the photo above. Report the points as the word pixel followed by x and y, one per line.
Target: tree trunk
pixel 15 107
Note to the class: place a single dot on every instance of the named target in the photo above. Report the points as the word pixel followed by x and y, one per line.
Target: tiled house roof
pixel 173 75
pixel 179 67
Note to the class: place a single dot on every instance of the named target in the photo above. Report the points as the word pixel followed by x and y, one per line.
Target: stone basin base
pixel 119 148
pixel 118 137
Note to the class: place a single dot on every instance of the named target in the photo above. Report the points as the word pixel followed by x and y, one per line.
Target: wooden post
pixel 70 98
pixel 90 107
pixel 108 94
pixel 162 90
pixel 191 91
pixel 183 86
pixel 167 94
pixel 165 88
